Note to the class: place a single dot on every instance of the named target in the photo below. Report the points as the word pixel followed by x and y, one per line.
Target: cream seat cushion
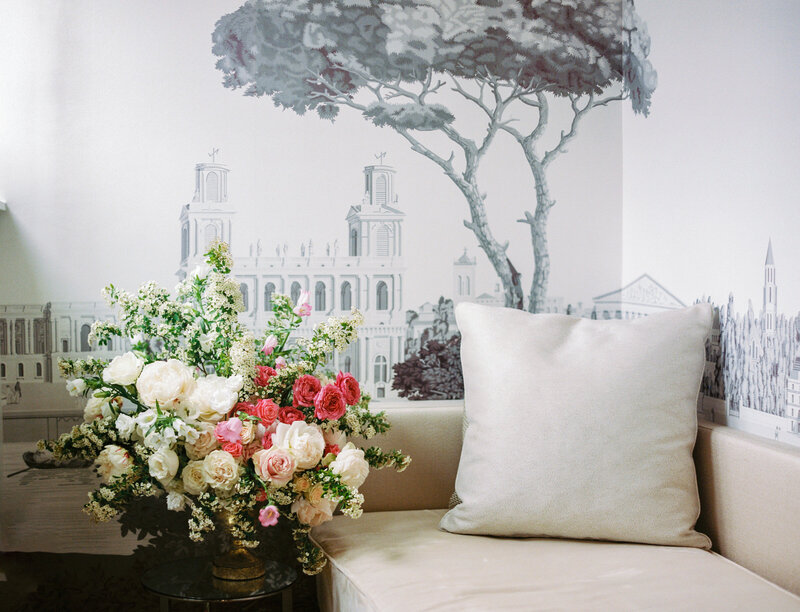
pixel 579 428
pixel 401 561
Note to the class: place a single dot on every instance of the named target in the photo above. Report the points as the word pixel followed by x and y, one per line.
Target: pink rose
pixel 280 362
pixel 290 415
pixel 329 404
pixel 234 448
pixel 268 516
pixel 267 411
pixel 228 431
pixel 264 373
pixel 269 345
pixel 275 465
pixel 304 390
pixel 261 495
pixel 303 307
pixel 331 449
pixel 348 385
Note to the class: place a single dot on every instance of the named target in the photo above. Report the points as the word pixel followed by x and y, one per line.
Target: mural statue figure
pixel 398 64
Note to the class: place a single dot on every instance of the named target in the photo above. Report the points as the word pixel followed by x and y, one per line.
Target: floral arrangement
pixel 201 412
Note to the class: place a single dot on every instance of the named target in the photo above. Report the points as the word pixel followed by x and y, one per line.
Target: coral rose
pixel 290 415
pixel 304 390
pixel 348 385
pixel 267 411
pixel 263 374
pixel 329 404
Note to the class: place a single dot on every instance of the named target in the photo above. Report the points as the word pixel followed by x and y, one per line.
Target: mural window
pixel 319 296
pixel 19 336
pixel 382 246
pixel 381 369
pixel 245 296
pixel 295 292
pixel 460 285
pixel 380 191
pixel 20 370
pixel 268 291
pixel 38 370
pixel 39 335
pixel 347 364
pixel 184 241
pixel 2 370
pixel 85 331
pixel 382 301
pixel 353 242
pixel 64 346
pixel 211 234
pixel 212 187
pixel 467 288
pixel 110 344
pixel 347 296
pixel 3 337
pixel 381 392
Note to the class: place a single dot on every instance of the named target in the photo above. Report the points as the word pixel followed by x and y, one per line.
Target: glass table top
pixel 191 579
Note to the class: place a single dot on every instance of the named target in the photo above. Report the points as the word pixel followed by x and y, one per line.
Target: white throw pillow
pixel 580 428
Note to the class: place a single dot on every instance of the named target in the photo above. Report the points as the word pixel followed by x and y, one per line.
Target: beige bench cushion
pixel 401 561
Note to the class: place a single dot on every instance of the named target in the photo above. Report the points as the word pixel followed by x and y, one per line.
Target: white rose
pixel 248 433
pixel 145 420
pixel 334 437
pixel 113 461
pixel 305 442
pixel 175 501
pixel 194 478
pixel 206 442
pixel 94 408
pixel 165 383
pixel 125 425
pixel 212 397
pixel 163 465
pixel 313 515
pixel 351 466
pixel 123 369
pixel 221 470
pixel 76 386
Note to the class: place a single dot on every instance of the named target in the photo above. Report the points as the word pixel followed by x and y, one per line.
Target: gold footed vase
pixel 237 563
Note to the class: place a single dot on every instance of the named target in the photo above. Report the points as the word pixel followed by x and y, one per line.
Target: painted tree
pixel 394 61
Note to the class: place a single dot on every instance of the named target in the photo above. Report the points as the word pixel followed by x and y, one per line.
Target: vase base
pixel 237 564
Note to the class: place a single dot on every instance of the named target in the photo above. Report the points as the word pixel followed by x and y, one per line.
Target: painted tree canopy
pixel 389 60
pixel 279 49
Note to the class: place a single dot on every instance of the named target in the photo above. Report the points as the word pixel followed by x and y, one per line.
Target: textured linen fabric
pixel 580 428
pixel 387 561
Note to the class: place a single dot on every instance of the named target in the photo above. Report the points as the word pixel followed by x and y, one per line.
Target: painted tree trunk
pixel 508 275
pixel 538 225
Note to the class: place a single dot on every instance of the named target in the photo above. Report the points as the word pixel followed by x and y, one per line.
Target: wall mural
pixel 442 90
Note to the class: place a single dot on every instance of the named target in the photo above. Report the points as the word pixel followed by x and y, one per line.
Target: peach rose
pixel 313 515
pixel 275 465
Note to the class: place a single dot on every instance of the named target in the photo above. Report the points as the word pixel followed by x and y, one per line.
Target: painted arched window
pixel 380 191
pixel 382 301
pixel 319 297
pixel 3 337
pixel 381 369
pixel 110 344
pixel 245 296
pixel 2 370
pixel 184 241
pixel 383 240
pixel 467 289
pixel 85 346
pixel 353 242
pixel 295 292
pixel 347 296
pixel 20 370
pixel 212 187
pixel 460 285
pixel 38 370
pixel 211 233
pixel 268 291
pixel 346 365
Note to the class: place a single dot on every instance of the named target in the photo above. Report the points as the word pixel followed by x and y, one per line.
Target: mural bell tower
pixel 375 228
pixel 770 294
pixel 208 216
